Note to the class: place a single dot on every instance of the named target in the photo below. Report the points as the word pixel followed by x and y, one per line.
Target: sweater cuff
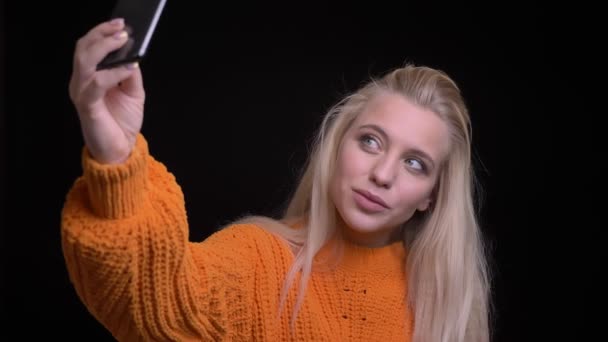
pixel 117 190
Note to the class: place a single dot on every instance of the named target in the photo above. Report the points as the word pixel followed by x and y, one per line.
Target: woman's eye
pixel 369 141
pixel 415 164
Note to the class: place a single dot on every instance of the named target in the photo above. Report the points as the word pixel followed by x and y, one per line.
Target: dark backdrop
pixel 234 95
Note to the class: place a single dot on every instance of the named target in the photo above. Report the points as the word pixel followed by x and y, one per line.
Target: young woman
pixel 380 240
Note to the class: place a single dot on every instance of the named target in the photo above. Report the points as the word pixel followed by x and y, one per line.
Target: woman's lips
pixel 369 202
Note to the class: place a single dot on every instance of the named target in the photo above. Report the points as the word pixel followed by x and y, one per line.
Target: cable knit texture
pixel 125 243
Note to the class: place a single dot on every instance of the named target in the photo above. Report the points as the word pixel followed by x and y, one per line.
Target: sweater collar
pixel 353 257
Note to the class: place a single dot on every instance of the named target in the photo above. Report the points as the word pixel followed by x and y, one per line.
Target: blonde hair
pixel 448 278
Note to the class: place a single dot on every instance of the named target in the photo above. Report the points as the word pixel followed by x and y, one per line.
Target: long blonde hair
pixel 448 280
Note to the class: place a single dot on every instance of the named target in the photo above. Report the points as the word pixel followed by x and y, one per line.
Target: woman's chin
pixel 363 224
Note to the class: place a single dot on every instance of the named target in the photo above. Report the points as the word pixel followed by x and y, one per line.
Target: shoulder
pixel 238 233
pixel 246 240
pixel 242 251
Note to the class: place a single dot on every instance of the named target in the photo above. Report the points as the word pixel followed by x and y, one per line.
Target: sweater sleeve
pixel 125 243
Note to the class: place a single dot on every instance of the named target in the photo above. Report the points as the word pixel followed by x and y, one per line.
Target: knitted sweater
pixel 125 243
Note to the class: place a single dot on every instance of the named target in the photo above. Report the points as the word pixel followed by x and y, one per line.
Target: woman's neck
pixel 375 239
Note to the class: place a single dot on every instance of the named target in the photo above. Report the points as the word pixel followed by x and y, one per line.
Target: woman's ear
pixel 425 204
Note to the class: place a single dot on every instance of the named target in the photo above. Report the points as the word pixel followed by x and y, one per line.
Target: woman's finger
pixel 104 80
pixel 100 31
pixel 133 85
pixel 88 59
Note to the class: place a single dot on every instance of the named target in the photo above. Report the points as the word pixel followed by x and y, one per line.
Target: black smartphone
pixel 141 17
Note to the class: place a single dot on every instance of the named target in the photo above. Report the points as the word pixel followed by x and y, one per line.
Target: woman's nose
pixel 383 172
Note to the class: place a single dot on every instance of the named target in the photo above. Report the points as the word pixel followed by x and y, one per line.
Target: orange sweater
pixel 125 243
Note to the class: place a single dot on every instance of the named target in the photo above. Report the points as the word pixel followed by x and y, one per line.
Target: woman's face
pixel 386 168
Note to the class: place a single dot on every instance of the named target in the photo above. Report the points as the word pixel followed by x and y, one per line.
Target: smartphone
pixel 141 17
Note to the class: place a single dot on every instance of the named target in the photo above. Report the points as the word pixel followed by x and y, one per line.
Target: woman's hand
pixel 109 102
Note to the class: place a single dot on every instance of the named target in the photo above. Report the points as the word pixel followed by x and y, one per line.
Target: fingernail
pixel 116 21
pixel 133 66
pixel 120 35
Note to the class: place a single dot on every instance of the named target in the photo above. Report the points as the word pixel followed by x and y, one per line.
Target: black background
pixel 234 94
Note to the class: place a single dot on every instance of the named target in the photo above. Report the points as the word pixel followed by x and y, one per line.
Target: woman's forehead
pixel 405 124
